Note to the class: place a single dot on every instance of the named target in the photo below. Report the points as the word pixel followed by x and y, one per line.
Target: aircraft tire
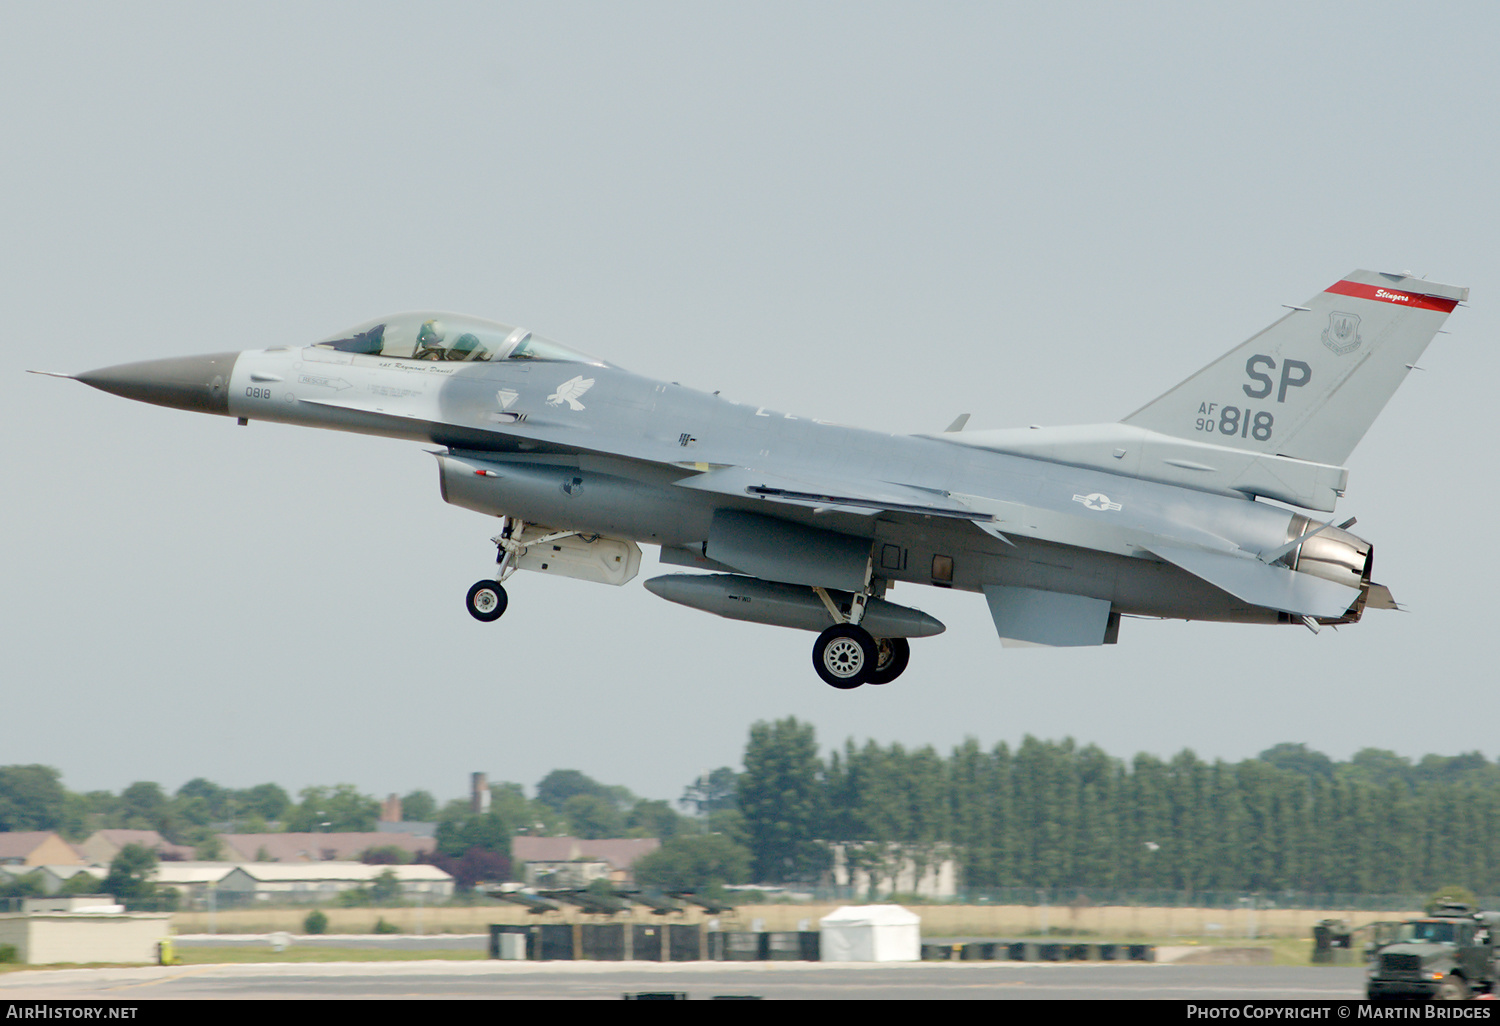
pixel 487 601
pixel 844 656
pixel 891 657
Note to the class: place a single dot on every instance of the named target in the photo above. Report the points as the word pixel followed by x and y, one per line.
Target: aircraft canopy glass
pixel 450 337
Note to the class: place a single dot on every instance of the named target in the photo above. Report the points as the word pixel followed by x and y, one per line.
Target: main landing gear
pixel 846 655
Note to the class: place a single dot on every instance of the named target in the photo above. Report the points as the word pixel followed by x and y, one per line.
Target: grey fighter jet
pixel 1207 503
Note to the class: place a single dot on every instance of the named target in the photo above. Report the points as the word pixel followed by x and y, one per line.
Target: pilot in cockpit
pixel 429 342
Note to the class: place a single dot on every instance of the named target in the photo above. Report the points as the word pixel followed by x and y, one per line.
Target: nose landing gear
pixel 487 600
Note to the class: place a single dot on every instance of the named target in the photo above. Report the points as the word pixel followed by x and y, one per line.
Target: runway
pixel 698 980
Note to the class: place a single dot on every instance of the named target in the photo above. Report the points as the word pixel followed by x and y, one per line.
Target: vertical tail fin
pixel 1310 385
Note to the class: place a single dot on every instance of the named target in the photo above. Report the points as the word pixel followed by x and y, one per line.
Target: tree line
pixel 1054 816
pixel 472 846
pixel 1047 816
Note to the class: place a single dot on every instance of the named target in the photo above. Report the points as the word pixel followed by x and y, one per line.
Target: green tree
pixel 129 880
pixel 459 831
pixel 333 810
pixel 1449 895
pixel 780 795
pixel 201 801
pixel 26 886
pixel 385 855
pixel 31 798
pixel 558 786
pixel 697 863
pixel 973 787
pixel 144 806
pixel 419 807
pixel 653 819
pixel 1298 758
pixel 268 801
pixel 525 816
pixel 1379 766
pixel 711 792
pixel 82 883
pixel 730 823
pixel 386 889
pixel 593 817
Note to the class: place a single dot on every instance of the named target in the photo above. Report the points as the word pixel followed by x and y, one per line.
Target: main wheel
pixel 487 601
pixel 844 656
pixel 891 657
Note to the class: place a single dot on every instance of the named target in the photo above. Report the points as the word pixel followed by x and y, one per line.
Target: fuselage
pixel 1169 512
pixel 614 459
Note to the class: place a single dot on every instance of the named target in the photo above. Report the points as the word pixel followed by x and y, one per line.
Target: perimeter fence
pixel 1087 898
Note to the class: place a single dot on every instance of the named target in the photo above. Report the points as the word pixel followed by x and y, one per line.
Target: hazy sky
pixel 880 214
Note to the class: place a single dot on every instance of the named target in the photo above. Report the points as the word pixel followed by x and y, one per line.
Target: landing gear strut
pixel 846 655
pixel 487 600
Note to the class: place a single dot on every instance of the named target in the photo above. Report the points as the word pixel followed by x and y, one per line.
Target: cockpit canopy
pixel 449 337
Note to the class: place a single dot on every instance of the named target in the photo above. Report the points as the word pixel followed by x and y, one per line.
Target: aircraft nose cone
pixel 199 383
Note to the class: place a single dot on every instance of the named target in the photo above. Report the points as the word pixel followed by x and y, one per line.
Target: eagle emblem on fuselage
pixel 569 391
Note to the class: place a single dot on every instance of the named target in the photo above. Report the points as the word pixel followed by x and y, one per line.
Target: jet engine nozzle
pixel 1334 555
pixel 198 383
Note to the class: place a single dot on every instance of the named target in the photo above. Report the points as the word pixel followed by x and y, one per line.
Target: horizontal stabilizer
pixel 1050 619
pixel 1271 587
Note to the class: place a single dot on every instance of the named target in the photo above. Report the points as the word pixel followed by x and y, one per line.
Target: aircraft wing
pixel 866 499
pixel 1260 584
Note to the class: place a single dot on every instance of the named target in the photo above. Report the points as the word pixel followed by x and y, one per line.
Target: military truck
pixel 1451 955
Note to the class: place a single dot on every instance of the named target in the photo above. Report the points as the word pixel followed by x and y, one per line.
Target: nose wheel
pixel 487 601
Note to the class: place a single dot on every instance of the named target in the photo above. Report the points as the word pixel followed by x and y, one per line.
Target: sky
pixel 880 214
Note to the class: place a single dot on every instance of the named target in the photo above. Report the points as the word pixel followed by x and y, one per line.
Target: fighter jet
pixel 1207 503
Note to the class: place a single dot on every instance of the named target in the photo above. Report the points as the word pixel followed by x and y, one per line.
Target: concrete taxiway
pixel 430 980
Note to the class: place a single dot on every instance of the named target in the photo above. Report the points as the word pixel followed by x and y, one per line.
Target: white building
pixel 192 880
pixel 881 869
pixel 310 882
